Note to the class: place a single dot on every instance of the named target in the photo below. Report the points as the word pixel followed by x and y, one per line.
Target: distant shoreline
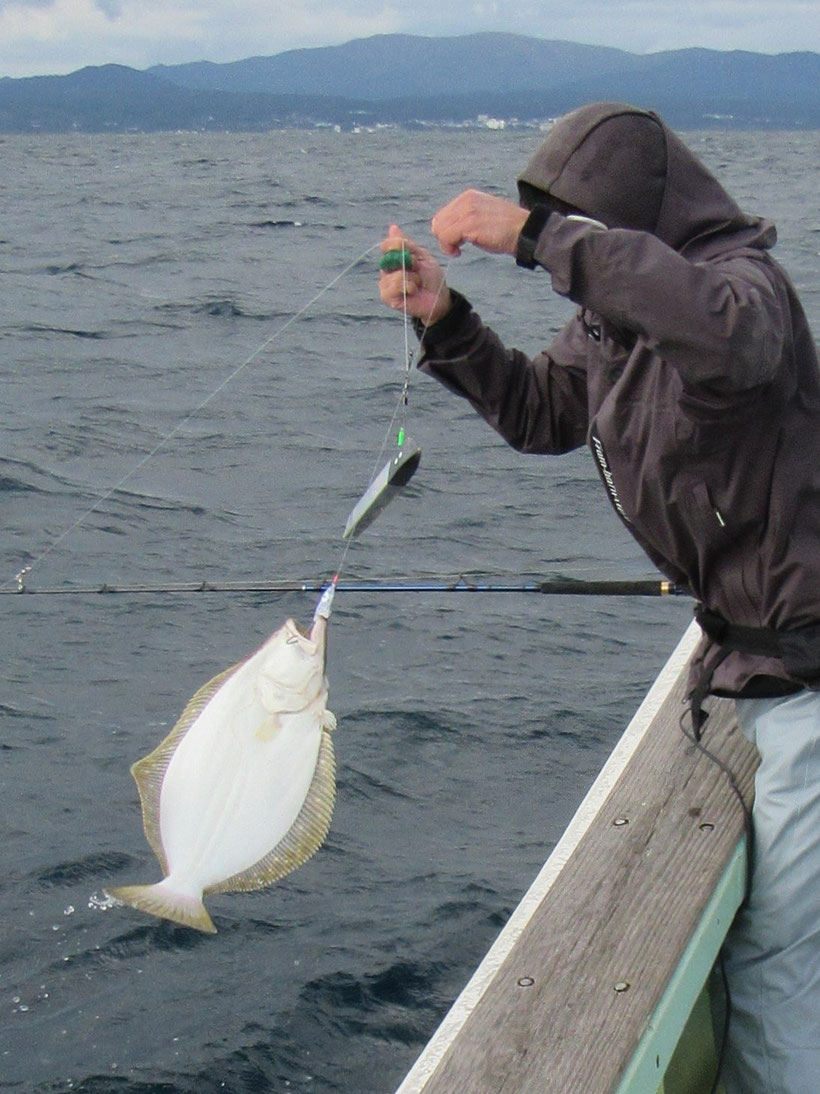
pixel 476 81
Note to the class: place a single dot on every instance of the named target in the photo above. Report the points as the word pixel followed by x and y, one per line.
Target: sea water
pixel 193 393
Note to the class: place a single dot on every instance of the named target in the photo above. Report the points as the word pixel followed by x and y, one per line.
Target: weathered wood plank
pixel 570 1002
pixel 670 1052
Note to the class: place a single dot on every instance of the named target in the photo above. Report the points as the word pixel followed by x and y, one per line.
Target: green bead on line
pixel 399 259
pixel 401 437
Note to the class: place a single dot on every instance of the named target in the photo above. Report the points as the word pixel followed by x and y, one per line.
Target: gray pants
pixel 772 952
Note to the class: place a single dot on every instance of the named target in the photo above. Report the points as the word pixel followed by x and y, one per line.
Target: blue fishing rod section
pixel 549 587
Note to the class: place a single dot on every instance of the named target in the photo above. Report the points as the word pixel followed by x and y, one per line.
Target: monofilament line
pixel 83 517
pixel 403 397
pixel 410 356
pixel 402 403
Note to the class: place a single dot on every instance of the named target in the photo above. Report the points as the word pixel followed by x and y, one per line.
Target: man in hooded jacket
pixel 690 370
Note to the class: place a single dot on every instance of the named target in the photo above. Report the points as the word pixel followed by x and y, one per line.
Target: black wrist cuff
pixel 449 323
pixel 530 234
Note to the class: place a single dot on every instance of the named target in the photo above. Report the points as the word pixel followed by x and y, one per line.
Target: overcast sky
pixel 57 36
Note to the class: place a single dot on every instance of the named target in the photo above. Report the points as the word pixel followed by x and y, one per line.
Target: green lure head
pixel 399 259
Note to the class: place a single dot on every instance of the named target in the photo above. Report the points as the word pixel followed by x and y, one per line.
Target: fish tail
pixel 166 902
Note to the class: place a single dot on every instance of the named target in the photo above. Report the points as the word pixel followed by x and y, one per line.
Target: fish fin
pixel 149 772
pixel 162 901
pixel 304 837
pixel 329 721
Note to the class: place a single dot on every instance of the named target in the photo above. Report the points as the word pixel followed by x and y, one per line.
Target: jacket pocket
pixel 724 556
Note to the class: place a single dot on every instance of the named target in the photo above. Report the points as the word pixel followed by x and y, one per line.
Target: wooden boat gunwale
pixel 512 1032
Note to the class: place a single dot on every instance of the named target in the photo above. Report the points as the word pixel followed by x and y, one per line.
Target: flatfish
pixel 241 790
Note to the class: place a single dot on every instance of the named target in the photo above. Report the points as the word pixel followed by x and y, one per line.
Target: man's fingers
pixel 486 221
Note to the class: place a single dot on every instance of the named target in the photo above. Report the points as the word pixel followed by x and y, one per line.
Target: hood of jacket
pixel 623 166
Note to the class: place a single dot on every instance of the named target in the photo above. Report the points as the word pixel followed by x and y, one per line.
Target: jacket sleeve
pixel 538 405
pixel 719 321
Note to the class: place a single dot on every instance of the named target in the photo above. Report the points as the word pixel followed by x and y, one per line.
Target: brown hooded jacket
pixel 689 369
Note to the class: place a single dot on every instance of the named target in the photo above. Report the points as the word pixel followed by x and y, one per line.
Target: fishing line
pixel 375 497
pixel 397 472
pixel 19 577
pixel 695 735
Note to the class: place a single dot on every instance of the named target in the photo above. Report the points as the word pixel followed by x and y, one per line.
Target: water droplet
pixel 102 902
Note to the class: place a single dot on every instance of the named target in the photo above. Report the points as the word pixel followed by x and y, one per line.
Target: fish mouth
pixel 308 640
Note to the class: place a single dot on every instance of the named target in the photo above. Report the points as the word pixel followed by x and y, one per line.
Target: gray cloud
pixel 4 4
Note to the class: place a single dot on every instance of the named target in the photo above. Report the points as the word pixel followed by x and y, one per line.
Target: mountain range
pixel 409 80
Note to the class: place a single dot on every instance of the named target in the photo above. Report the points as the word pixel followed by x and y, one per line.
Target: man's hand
pixel 421 288
pixel 486 221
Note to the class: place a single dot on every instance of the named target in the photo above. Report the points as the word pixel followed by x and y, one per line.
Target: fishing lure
pixel 398 470
pixel 397 259
pixel 392 478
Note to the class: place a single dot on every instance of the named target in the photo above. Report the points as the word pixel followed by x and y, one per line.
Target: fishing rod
pixel 558 586
pixel 383 488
